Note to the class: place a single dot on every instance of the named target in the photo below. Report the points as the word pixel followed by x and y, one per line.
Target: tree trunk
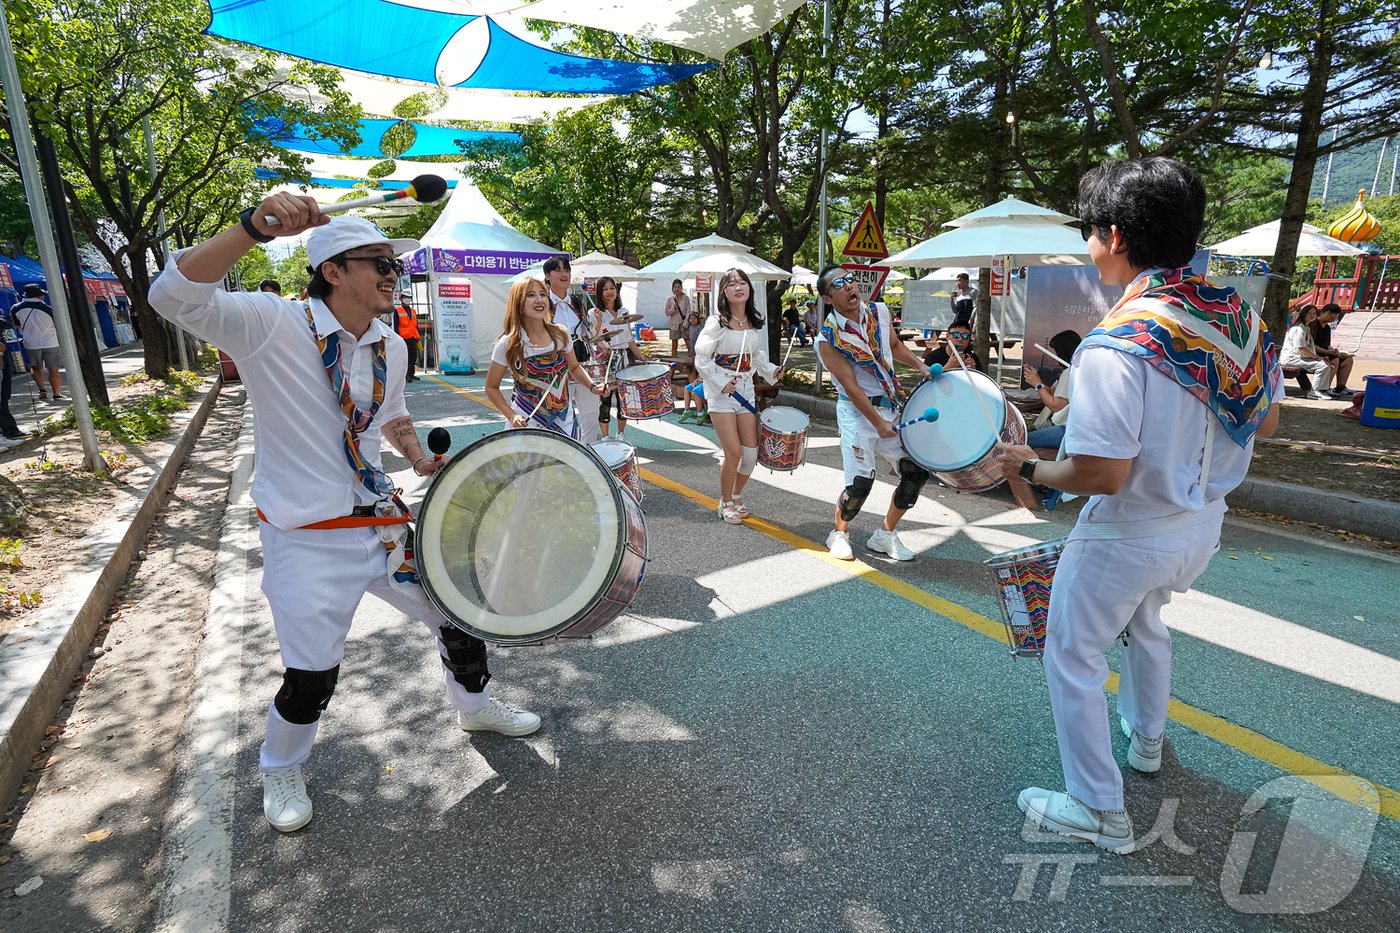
pixel 157 337
pixel 1310 115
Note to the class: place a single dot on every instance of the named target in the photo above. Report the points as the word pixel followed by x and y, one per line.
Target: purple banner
pixel 478 262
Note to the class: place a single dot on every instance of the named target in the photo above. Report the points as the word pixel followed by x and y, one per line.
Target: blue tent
pixel 428 140
pixel 24 271
pixel 384 38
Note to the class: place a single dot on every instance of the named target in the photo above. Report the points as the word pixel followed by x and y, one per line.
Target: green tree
pixel 255 266
pixel 292 271
pixel 94 70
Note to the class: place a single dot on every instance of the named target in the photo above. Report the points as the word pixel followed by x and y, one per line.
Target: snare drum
pixel 644 391
pixel 959 448
pixel 597 370
pixel 525 536
pixel 782 438
pixel 621 459
pixel 1023 580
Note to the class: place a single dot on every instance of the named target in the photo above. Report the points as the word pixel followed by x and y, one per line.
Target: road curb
pixel 1375 517
pixel 38 662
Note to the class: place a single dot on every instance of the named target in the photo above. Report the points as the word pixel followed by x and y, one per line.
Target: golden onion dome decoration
pixel 1356 225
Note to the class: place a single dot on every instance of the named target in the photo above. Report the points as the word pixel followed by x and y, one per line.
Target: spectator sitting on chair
pixel 34 318
pixel 809 318
pixel 792 326
pixel 1300 351
pixel 1049 428
pixel 959 334
pixel 1328 315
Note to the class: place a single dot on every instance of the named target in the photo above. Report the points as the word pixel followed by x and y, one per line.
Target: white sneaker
pixel 6 443
pixel 888 543
pixel 1060 813
pixel 838 543
pixel 285 801
pixel 498 717
pixel 1144 755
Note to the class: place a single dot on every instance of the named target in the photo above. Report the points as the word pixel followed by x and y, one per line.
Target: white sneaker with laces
pixel 285 801
pixel 1060 813
pixel 838 543
pixel 1144 755
pixel 888 543
pixel 498 717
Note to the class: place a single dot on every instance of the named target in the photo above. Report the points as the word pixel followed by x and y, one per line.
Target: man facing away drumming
pixel 1169 392
pixel 856 348
pixel 320 379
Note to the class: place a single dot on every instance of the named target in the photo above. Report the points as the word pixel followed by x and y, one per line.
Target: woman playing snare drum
pixel 732 347
pixel 540 358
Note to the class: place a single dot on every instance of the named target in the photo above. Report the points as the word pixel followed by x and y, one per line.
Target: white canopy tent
pixel 471 244
pixel 1263 241
pixel 716 255
pixel 594 266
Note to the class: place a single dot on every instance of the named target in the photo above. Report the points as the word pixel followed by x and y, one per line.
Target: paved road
pixel 774 740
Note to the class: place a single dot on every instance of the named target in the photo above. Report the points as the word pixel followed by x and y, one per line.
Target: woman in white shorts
pixel 732 347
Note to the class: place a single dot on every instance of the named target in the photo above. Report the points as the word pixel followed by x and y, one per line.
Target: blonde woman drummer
pixel 540 358
pixel 732 347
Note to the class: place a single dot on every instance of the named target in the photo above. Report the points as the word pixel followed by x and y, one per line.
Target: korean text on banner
pixel 868 279
pixel 454 314
pixel 704 281
pixel 1001 278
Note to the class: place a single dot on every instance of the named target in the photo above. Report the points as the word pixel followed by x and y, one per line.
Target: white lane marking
pixel 197 854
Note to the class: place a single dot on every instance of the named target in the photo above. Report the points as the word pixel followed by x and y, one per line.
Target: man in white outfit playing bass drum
pixel 1170 391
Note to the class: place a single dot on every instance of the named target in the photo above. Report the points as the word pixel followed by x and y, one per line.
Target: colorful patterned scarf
pixel 543 378
pixel 1203 336
pixel 734 362
pixel 862 346
pixel 356 421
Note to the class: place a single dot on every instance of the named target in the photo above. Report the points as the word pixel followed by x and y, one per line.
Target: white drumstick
pixel 791 341
pixel 1051 355
pixel 996 431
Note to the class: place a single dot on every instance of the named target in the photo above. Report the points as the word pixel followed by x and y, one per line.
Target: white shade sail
pixel 1263 241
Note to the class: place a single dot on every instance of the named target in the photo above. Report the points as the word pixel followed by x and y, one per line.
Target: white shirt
pixel 40 332
pixel 619 335
pixel 715 340
pixel 298 427
pixel 868 383
pixel 1063 387
pixel 564 314
pixel 498 352
pixel 1126 410
pixel 1297 338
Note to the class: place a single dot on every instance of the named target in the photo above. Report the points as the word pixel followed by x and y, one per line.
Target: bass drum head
pixel 960 437
pixel 520 535
pixel 642 372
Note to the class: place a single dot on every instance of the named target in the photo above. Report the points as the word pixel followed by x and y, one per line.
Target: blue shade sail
pixel 384 38
pixel 428 140
pixel 319 181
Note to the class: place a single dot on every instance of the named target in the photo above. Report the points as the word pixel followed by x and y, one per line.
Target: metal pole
pixel 160 230
pixel 1394 162
pixel 1379 162
pixel 43 236
pixel 821 205
pixel 1327 177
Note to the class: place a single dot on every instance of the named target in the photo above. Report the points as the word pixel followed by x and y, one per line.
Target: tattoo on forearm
pixel 400 432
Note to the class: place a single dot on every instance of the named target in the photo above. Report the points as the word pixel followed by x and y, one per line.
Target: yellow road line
pixel 1265 749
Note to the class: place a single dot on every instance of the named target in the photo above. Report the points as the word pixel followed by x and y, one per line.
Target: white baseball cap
pixel 344 233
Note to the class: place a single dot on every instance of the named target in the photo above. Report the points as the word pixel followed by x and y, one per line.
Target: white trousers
pixel 587 405
pixel 1100 588
pixel 314 581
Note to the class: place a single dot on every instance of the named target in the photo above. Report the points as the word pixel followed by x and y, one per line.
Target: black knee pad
pixel 465 657
pixel 853 497
pixel 911 480
pixel 305 694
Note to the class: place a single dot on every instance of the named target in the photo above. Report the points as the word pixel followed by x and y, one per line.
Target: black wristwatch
pixel 245 217
pixel 1028 470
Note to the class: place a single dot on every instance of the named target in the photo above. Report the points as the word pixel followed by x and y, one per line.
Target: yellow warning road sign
pixel 867 239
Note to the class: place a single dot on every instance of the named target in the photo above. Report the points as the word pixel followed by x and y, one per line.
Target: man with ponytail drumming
pixel 1170 391
pixel 324 381
pixel 856 348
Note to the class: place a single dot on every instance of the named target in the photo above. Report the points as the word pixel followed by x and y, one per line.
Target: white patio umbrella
pixel 1011 209
pixel 801 275
pixel 593 266
pixel 1263 241
pixel 1025 241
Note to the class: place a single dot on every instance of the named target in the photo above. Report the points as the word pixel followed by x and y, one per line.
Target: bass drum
pixel 959 448
pixel 525 536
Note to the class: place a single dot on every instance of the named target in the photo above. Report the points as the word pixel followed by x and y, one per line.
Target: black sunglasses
pixel 1087 228
pixel 382 264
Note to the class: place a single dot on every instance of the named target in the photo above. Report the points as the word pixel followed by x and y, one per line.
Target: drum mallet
pixel 1051 355
pixel 438 442
pixel 743 401
pixel 930 415
pixel 424 189
pixel 996 432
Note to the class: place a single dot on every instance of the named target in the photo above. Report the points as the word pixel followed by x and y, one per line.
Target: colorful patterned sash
pixel 1205 337
pixel 862 346
pixel 356 421
pixel 734 362
pixel 543 379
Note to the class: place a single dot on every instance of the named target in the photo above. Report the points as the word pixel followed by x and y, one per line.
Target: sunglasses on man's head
pixel 382 264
